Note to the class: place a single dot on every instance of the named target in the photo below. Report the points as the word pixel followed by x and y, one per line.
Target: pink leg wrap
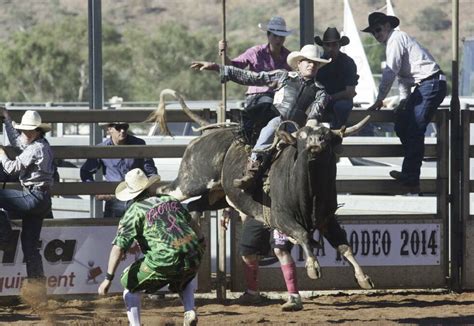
pixel 289 273
pixel 251 275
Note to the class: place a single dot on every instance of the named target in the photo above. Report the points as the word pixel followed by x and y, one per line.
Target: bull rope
pixel 266 210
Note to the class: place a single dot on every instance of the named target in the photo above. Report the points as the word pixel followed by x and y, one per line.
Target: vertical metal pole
pixel 95 82
pixel 306 22
pixel 223 108
pixel 221 233
pixel 442 182
pixel 465 180
pixel 456 157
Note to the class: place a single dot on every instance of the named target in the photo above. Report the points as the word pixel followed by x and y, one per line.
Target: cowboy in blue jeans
pixel 35 170
pixel 414 67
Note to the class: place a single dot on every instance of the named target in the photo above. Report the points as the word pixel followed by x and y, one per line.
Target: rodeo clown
pixel 171 247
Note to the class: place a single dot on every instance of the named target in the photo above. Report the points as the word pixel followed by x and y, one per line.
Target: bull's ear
pixel 286 137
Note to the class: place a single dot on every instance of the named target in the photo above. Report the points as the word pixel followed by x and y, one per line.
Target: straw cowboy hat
pixel 331 35
pixel 310 52
pixel 135 183
pixel 276 25
pixel 115 102
pixel 32 120
pixel 379 18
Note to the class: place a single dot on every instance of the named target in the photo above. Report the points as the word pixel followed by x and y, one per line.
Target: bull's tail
pixel 159 115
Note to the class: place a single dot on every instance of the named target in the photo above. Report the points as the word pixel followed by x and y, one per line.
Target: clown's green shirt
pixel 161 227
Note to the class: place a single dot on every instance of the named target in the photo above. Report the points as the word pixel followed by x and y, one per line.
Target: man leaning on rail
pixel 414 67
pixel 34 168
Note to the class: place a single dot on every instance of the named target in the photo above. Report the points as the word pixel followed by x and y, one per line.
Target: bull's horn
pixel 344 132
pixel 355 128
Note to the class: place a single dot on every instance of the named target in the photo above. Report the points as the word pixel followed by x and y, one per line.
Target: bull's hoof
pixel 365 282
pixel 313 270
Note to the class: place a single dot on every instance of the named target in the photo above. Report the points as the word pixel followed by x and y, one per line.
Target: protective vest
pixel 294 97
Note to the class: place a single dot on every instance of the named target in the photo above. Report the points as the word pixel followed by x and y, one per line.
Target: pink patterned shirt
pixel 258 58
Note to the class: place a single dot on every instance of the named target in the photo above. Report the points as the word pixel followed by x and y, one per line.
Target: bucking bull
pixel 300 194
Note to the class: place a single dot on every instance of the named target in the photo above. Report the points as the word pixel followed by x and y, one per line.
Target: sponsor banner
pixel 75 260
pixel 378 245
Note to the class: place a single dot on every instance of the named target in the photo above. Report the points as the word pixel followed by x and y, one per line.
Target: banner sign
pixel 75 260
pixel 378 245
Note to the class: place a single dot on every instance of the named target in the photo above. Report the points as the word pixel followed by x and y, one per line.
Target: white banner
pixel 379 245
pixel 74 258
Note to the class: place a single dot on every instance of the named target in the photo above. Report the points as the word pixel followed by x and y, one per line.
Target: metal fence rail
pixel 434 276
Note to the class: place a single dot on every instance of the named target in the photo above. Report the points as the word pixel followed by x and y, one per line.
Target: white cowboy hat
pixel 276 25
pixel 30 121
pixel 115 102
pixel 135 183
pixel 310 52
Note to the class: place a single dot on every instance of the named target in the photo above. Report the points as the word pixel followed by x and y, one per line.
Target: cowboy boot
pixel 248 181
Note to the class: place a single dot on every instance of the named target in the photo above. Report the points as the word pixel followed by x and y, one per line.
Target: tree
pixel 375 53
pixel 49 62
pixel 432 18
pixel 163 59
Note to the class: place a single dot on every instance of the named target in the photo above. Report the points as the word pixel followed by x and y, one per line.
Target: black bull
pixel 301 196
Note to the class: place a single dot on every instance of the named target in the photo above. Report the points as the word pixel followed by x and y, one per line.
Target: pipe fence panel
pixel 410 247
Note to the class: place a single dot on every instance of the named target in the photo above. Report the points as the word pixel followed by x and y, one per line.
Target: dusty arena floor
pixel 360 308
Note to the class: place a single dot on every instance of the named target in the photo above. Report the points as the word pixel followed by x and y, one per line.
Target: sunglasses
pixel 376 30
pixel 120 126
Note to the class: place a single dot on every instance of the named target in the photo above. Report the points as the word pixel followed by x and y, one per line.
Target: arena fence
pixel 396 250
pixel 464 223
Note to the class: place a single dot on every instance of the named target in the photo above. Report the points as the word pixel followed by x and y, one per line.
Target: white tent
pixel 366 89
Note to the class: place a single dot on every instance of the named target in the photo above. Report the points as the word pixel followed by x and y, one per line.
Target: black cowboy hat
pixel 331 35
pixel 378 18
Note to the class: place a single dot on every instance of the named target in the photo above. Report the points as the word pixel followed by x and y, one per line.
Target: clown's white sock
pixel 133 304
pixel 187 296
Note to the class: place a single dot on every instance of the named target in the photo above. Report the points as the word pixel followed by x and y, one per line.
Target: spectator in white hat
pixel 35 169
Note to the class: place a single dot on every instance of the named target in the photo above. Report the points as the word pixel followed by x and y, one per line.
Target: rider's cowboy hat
pixel 32 120
pixel 135 183
pixel 276 25
pixel 310 52
pixel 379 18
pixel 331 35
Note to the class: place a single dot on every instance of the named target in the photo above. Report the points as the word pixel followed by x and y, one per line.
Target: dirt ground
pixel 355 308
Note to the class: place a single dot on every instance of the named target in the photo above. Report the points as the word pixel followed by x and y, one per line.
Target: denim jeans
pixel 411 123
pixel 267 134
pixel 32 206
pixel 339 112
pixel 115 208
pixel 257 112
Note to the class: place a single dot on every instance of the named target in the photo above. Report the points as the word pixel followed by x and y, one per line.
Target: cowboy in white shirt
pixel 414 67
